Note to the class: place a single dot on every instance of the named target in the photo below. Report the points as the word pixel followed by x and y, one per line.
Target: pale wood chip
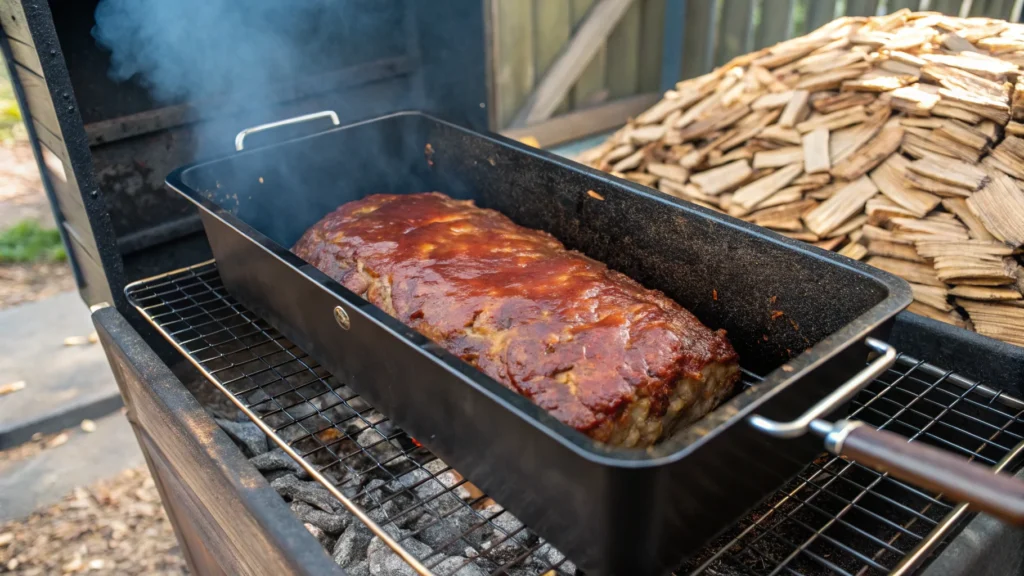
pixel 752 194
pixel 894 250
pixel 1000 207
pixel 934 296
pixel 846 202
pixel 669 171
pixel 779 157
pixel 723 178
pixel 835 120
pixel 951 172
pixel 888 177
pixel 872 154
pixel 958 206
pixel 854 250
pixel 915 272
pixel 815 151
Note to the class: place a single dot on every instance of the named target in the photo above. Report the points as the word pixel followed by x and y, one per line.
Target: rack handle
pixel 240 138
pixel 928 467
pixel 838 397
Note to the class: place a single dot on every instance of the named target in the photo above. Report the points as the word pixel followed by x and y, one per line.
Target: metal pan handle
pixel 837 398
pixel 240 138
pixel 928 467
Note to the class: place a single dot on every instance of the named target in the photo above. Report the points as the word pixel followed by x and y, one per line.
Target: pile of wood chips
pixel 897 139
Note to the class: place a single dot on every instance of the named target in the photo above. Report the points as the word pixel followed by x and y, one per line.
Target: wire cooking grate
pixel 836 517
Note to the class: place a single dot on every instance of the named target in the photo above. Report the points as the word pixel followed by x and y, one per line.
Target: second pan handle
pixel 922 465
pixel 240 138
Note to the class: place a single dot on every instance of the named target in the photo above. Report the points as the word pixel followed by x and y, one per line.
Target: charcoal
pixel 332 524
pixel 508 524
pixel 317 533
pixel 275 474
pixel 359 569
pixel 384 562
pixel 276 459
pixel 246 435
pixel 308 492
pixel 350 549
pixel 458 566
pixel 452 532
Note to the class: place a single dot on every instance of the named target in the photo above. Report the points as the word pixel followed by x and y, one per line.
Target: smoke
pixel 214 52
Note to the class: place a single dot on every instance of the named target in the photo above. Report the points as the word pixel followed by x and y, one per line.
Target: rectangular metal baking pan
pixel 615 511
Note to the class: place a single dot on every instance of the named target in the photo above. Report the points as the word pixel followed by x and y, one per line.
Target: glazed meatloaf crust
pixel 610 358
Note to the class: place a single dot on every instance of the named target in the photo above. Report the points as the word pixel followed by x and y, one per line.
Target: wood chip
pixel 888 177
pixel 723 178
pixel 815 151
pixel 894 250
pixel 951 317
pixel 846 202
pixel 779 157
pixel 630 162
pixel 985 293
pixel 952 172
pixel 934 296
pixel 752 194
pixel 910 271
pixel 835 120
pixel 796 109
pixel 12 387
pixel 941 189
pixel 958 207
pixel 871 155
pixel 673 172
pixel 1000 207
pixel 854 250
pixel 780 134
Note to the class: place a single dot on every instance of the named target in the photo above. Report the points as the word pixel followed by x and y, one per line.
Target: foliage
pixel 27 241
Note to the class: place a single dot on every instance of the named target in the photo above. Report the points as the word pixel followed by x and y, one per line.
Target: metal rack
pixel 836 517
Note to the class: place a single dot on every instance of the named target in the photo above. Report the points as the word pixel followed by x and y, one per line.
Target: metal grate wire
pixel 836 517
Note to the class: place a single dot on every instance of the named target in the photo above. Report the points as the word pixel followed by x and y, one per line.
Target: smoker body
pixel 103 149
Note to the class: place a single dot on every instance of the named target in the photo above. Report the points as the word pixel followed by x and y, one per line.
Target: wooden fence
pixel 561 69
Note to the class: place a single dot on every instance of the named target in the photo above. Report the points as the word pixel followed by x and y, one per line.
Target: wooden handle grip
pixel 922 465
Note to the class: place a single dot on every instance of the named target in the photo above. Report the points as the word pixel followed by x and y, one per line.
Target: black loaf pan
pixel 613 511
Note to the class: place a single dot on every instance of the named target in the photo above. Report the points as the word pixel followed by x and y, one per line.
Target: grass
pixel 28 242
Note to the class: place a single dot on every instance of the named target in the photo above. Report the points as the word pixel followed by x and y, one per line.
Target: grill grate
pixel 836 517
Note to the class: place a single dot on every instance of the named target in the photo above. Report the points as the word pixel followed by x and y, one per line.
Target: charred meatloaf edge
pixel 621 363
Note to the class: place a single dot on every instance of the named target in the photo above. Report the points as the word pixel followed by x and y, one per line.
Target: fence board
pixel 991 8
pixel 651 38
pixel 699 37
pixel 894 5
pixel 734 34
pixel 513 61
pixel 951 7
pixel 861 7
pixel 776 22
pixel 590 88
pixel 819 12
pixel 552 26
pixel 623 72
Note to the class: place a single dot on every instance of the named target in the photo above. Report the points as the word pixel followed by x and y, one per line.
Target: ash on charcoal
pixel 384 562
pixel 276 459
pixel 317 533
pixel 360 569
pixel 451 533
pixel 350 549
pixel 331 524
pixel 308 492
pixel 246 435
pixel 508 524
pixel 457 566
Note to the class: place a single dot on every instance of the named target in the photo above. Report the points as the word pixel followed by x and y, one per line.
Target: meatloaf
pixel 610 358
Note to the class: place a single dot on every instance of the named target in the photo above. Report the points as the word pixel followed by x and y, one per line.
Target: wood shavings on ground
pixel 113 527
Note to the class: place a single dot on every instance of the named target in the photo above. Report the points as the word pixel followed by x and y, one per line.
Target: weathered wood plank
pixel 26 55
pixel 861 7
pixel 699 37
pixel 14 22
pixel 623 46
pixel 590 88
pixel 776 22
pixel 40 105
pixel 735 32
pixel 513 57
pixel 951 7
pixel 586 41
pixel 651 39
pixel 579 123
pixel 552 25
pixel 819 12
